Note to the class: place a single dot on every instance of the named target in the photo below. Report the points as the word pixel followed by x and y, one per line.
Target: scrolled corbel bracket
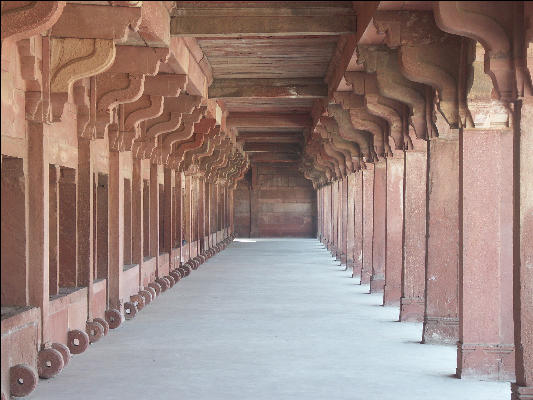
pixel 426 55
pixel 27 20
pixel 114 89
pixel 492 26
pixel 74 59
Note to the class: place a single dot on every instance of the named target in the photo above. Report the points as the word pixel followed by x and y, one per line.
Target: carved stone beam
pixel 151 104
pixel 123 82
pixel 427 55
pixel 313 150
pixel 329 128
pixel 394 112
pixel 73 59
pixel 348 132
pixel 180 142
pixel 211 146
pixel 97 21
pixel 493 25
pixel 241 174
pixel 209 157
pixel 22 20
pixel 190 157
pixel 393 84
pixel 340 161
pixel 230 166
pixel 314 169
pixel 171 119
pixel 331 161
pixel 219 159
pixel 363 119
pixel 338 145
pixel 220 163
pixel 343 161
pixel 207 163
pixel 183 133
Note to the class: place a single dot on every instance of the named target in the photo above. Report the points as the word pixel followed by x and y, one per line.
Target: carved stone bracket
pixel 114 89
pixel 74 59
pixel 394 112
pixel 427 55
pixel 347 130
pixel 492 24
pixel 363 119
pixel 22 20
pixel 199 135
pixel 394 85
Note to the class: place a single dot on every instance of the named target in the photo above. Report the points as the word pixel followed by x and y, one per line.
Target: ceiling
pixel 268 57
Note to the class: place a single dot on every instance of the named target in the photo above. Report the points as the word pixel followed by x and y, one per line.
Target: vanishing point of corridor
pixel 268 319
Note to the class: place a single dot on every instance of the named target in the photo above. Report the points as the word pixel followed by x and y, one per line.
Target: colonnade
pixel 117 176
pixel 437 191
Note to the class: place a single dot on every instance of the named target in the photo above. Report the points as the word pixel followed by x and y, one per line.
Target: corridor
pixel 267 319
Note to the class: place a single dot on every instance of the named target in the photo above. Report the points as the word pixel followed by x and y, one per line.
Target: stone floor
pixel 269 319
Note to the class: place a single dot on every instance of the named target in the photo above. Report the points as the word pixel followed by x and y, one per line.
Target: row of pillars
pixel 434 229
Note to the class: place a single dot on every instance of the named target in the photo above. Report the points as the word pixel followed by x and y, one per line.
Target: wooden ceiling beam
pixel 263 120
pixel 274 158
pixel 262 21
pixel 271 148
pixel 270 137
pixel 311 88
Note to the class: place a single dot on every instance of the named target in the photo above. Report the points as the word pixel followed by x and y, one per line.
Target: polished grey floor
pixel 267 319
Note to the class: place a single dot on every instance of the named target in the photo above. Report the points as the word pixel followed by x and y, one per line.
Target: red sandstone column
pixel 85 220
pixel 154 215
pixel 67 228
pixel 358 223
pixel 377 280
pixel 441 308
pixel 102 222
pixel 187 215
pixel 14 233
pixel 485 349
pixel 367 222
pixel 201 215
pixel 394 234
pixel 53 230
pixel 137 216
pixel 116 229
pixel 127 222
pixel 168 222
pixel 335 221
pixel 37 186
pixel 344 220
pixel 414 247
pixel 350 220
pixel 523 264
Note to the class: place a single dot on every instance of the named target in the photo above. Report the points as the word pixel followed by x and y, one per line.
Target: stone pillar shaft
pixel 377 280
pixel 485 348
pixel 441 308
pixel 414 247
pixel 368 222
pixel 394 232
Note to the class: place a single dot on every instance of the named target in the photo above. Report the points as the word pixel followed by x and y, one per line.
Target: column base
pixel 377 284
pixel 411 310
pixel 440 330
pixel 521 392
pixel 486 361
pixel 391 295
